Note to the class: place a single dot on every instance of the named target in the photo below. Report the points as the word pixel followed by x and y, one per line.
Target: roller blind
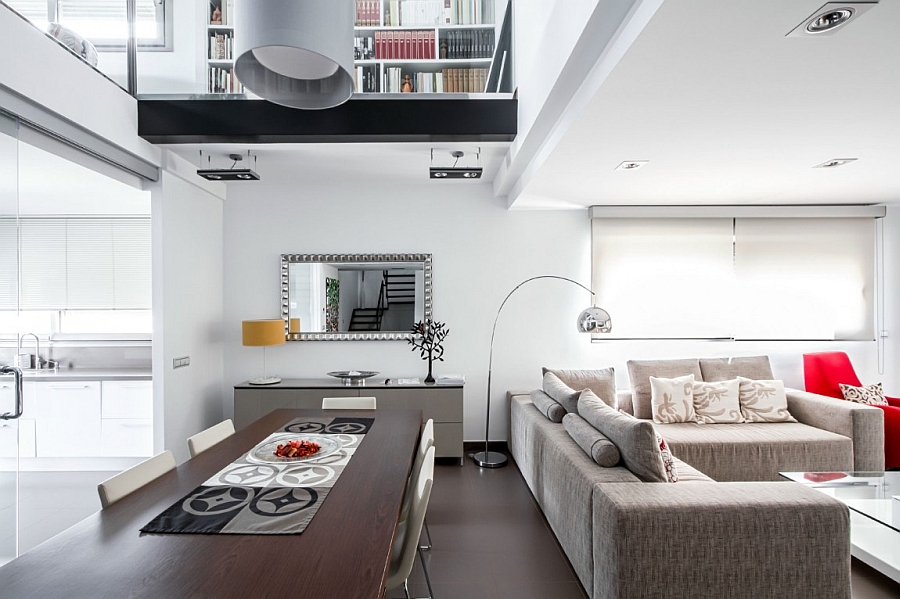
pixel 85 263
pixel 736 278
pixel 812 279
pixel 664 278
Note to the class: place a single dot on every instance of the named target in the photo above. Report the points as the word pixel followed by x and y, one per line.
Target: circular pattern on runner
pixel 347 428
pixel 307 476
pixel 282 502
pixel 247 475
pixel 305 427
pixel 212 501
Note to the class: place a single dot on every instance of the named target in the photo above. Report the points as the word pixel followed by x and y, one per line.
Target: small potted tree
pixel 428 337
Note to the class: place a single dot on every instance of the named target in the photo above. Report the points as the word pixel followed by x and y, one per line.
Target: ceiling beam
pixel 165 120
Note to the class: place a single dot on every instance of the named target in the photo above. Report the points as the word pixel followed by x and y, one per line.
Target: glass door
pixel 10 376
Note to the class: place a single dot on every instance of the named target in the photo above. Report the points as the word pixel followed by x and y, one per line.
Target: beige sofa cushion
pixel 726 369
pixel 635 439
pixel 561 393
pixel 757 451
pixel 640 371
pixel 602 381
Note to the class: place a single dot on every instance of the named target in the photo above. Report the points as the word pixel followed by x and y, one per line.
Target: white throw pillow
pixel 871 395
pixel 718 402
pixel 764 401
pixel 672 400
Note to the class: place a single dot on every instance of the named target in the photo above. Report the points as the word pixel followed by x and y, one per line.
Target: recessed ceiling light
pixel 835 162
pixel 631 165
pixel 830 18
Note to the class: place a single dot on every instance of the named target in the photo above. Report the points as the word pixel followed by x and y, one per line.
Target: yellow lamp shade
pixel 262 332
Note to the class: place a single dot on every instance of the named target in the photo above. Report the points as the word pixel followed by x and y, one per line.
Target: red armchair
pixel 824 372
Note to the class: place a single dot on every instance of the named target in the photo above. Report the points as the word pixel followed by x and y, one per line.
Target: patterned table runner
pixel 251 497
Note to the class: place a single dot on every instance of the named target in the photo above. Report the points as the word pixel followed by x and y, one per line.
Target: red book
pixel 431 50
pixel 398 41
pixel 421 45
pixel 379 50
pixel 407 39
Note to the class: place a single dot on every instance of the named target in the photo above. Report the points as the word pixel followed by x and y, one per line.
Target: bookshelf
pixel 220 77
pixel 424 46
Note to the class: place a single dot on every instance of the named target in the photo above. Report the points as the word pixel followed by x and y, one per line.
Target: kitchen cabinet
pixel 67 416
pixel 126 426
pixel 441 403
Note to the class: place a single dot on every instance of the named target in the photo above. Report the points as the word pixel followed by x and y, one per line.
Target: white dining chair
pixel 348 403
pixel 426 441
pixel 209 437
pixel 406 542
pixel 128 481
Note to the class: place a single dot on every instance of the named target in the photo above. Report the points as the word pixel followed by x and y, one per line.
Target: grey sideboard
pixel 442 403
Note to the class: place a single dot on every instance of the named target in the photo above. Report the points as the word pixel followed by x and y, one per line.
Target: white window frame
pixel 163 42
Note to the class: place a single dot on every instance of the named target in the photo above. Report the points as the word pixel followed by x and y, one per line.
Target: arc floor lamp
pixel 591 320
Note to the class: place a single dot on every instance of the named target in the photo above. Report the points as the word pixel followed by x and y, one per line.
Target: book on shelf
pixel 366 79
pixel 221 46
pixel 223 81
pixel 404 45
pixel 467 43
pixel 468 12
pixel 445 81
pixel 368 13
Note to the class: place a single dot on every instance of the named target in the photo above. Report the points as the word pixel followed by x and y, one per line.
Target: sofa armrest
pixel 893 401
pixel 864 425
pixel 713 540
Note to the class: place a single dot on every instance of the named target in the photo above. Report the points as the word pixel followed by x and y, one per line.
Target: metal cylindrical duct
pixel 296 53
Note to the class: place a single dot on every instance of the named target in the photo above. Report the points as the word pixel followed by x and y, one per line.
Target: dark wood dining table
pixel 344 552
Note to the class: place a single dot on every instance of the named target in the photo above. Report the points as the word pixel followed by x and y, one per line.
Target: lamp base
pixel 269 380
pixel 489 459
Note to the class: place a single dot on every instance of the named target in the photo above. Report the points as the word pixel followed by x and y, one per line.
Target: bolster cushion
pixel 635 439
pixel 593 442
pixel 547 406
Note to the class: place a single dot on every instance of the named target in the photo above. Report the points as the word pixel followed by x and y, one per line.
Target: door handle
pixel 20 401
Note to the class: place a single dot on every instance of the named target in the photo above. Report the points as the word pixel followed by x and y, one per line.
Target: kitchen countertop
pixel 376 382
pixel 89 374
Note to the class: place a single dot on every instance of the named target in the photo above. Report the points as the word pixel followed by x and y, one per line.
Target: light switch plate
pixel 181 362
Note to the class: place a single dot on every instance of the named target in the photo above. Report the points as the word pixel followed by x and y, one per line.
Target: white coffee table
pixel 874 513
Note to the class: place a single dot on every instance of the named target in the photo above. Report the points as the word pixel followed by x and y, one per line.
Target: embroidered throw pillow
pixel 871 395
pixel 668 461
pixel 719 402
pixel 764 401
pixel 672 400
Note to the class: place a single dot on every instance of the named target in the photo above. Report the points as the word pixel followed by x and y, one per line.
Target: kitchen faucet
pixel 37 349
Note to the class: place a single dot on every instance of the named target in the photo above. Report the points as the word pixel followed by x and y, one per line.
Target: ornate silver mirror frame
pixel 288 259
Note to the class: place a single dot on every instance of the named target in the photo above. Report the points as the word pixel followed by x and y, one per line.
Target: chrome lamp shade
pixel 297 53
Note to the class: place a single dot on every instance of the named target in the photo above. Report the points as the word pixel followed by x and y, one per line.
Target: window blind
pixel 736 278
pixel 85 264
pixel 664 278
pixel 805 278
pixel 9 262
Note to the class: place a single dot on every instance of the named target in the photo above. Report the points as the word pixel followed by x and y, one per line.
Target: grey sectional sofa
pixel 701 537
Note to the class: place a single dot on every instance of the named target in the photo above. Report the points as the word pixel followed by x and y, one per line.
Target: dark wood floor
pixel 491 542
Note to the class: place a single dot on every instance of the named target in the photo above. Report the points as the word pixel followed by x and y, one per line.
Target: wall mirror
pixel 349 297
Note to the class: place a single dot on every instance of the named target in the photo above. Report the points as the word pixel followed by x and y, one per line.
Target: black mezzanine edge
pixel 181 121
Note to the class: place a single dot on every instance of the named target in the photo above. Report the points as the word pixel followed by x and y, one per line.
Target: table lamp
pixel 263 333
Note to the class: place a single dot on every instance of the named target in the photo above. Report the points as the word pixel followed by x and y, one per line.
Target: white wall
pixel 187 309
pixel 481 251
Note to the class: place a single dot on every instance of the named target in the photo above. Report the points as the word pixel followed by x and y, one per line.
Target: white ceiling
pixel 395 163
pixel 730 111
